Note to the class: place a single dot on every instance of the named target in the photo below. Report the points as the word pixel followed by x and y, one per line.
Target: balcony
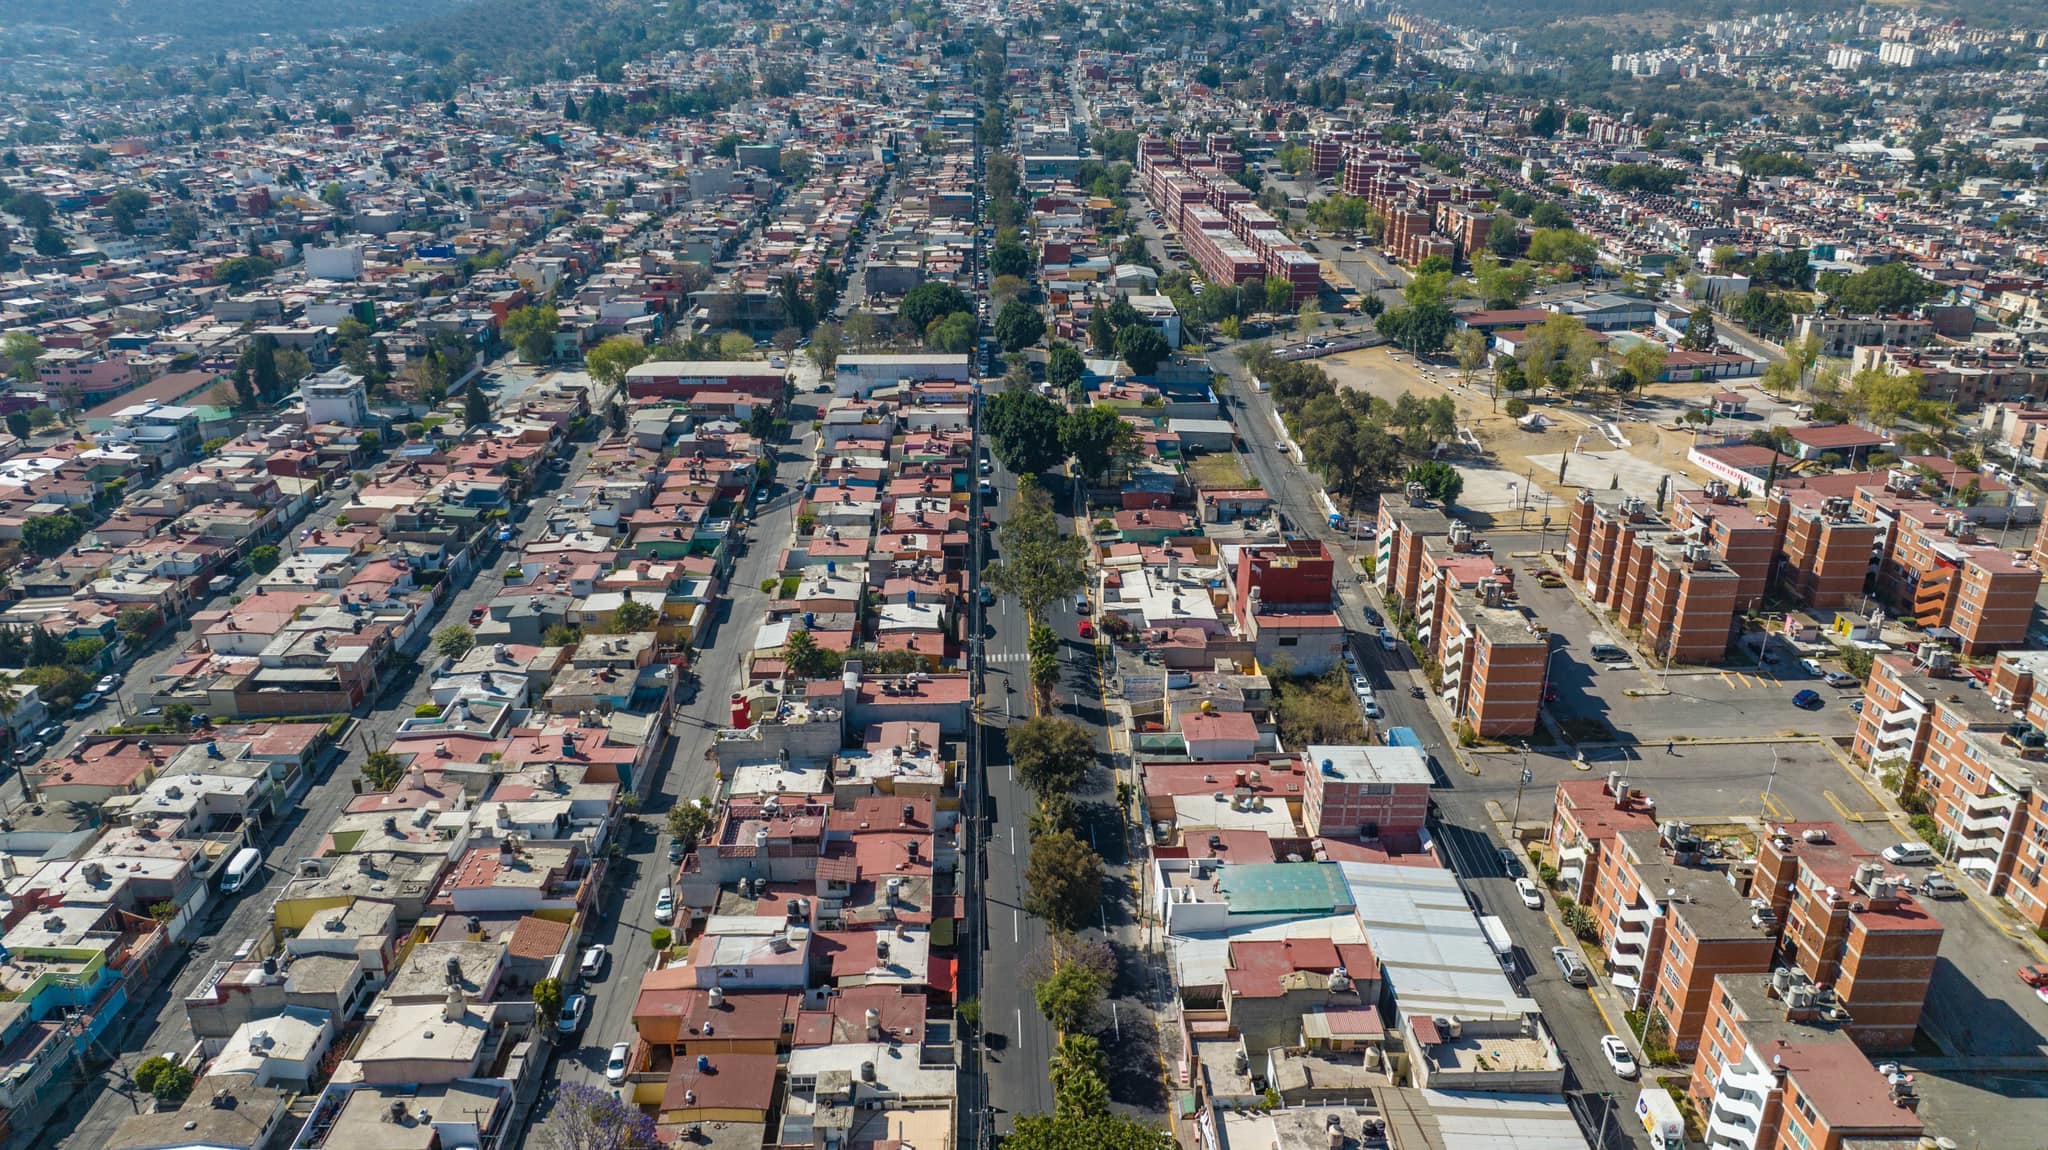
pixel 1729 1135
pixel 1993 822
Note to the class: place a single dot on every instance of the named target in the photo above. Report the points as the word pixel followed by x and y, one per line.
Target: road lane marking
pixel 1016 935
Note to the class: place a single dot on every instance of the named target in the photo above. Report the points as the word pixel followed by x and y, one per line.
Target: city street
pixel 156 1023
pixel 1577 1018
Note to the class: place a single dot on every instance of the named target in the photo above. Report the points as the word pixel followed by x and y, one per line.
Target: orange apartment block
pixel 1979 778
pixel 1776 1071
pixel 1741 537
pixel 1827 549
pixel 1588 815
pixel 1494 661
pixel 1939 570
pixel 1669 924
pixel 1847 923
pixel 1652 577
pixel 1898 697
pixel 1405 529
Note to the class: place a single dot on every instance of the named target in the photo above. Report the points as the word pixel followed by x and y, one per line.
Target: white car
pixel 1371 705
pixel 1361 686
pixel 665 905
pixel 1531 896
pixel 593 961
pixel 615 1066
pixel 1906 853
pixel 1350 660
pixel 1618 1058
pixel 1812 667
pixel 1386 639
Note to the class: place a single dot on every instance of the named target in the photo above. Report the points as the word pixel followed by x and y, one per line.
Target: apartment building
pixel 1845 921
pixel 1654 578
pixel 1281 598
pixel 1827 548
pixel 1495 661
pixel 1841 335
pixel 1898 697
pixel 1370 793
pixel 1587 816
pixel 1936 567
pixel 1776 1071
pixel 1743 538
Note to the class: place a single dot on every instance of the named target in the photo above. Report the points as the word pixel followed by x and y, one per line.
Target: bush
pixel 427 711
pixel 1547 873
pixel 660 937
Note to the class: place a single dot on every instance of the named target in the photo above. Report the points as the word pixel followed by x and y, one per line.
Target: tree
pixel 687 822
pixel 292 366
pixel 929 302
pixel 1420 330
pixel 1079 1076
pixel 17 424
pixel 1469 347
pixel 1503 285
pixel 381 770
pixel 454 640
pixel 547 999
pixel 124 206
pixel 610 360
pixel 953 334
pixel 1563 246
pixel 1558 353
pixel 1018 326
pixel 1039 561
pixel 733 345
pixel 172 1084
pixel 826 345
pixel 1142 348
pixel 476 404
pixel 802 655
pixel 1879 394
pixel 1547 120
pixel 261 358
pixel 1885 288
pixel 1064 366
pixel 1010 258
pixel 1063 883
pixel 1699 330
pixel 147 1071
pixel 1097 438
pixel 263 560
pixel 587 1117
pixel 1645 362
pixel 51 534
pixel 1439 479
pixel 21 350
pixel 1068 997
pixel 138 623
pixel 1023 429
pixel 531 331
pixel 633 616
pixel 1089 1132
pixel 1052 755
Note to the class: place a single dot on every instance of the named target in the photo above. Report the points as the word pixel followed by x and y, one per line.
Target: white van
pixel 246 865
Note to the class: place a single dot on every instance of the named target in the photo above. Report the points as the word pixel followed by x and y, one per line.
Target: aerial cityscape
pixel 943 575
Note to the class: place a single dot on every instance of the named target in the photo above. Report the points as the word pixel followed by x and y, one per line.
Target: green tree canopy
pixel 929 302
pixel 1063 882
pixel 610 360
pixel 1018 326
pixel 1040 562
pixel 1052 755
pixel 1023 429
pixel 1097 437
pixel 1142 347
pixel 531 331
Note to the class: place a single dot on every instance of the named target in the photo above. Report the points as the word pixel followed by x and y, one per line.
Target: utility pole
pixel 1768 784
pixel 1515 820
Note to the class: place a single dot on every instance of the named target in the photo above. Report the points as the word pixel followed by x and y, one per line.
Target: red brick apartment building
pixel 1938 569
pixel 1846 922
pixel 1589 814
pixel 1976 755
pixel 1494 660
pixel 1776 1071
pixel 1668 584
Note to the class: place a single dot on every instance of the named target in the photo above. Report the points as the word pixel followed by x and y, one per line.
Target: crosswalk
pixel 1007 657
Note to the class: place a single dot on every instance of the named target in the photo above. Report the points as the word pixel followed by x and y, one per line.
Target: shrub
pixel 660 937
pixel 427 711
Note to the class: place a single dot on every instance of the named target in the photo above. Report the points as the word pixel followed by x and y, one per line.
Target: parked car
pixel 1350 660
pixel 1618 1058
pixel 86 702
pixel 988 596
pixel 108 682
pixel 615 1065
pixel 665 905
pixel 1532 897
pixel 1856 707
pixel 477 615
pixel 27 753
pixel 1373 617
pixel 1372 707
pixel 1571 966
pixel 1510 863
pixel 575 1009
pixel 1361 686
pixel 675 851
pixel 1087 629
pixel 49 733
pixel 592 965
pixel 1939 886
pixel 1608 653
pixel 1386 639
pixel 1840 679
pixel 1813 667
pixel 2035 975
pixel 1808 700
pixel 1908 854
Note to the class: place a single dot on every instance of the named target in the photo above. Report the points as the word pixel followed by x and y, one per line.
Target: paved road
pixel 626 907
pixel 1466 827
pixel 155 1022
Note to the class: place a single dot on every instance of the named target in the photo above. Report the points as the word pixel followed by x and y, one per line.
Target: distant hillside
pixel 223 22
pixel 1502 15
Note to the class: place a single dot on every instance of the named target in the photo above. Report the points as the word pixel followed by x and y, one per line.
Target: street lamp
pixel 1515 820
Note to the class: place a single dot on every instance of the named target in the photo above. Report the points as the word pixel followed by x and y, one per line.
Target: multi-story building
pixel 1370 793
pixel 1670 586
pixel 1587 816
pixel 1777 1072
pixel 1281 598
pixel 1494 662
pixel 1845 922
pixel 1827 548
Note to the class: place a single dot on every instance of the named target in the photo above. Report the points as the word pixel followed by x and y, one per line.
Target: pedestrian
pixel 1669 748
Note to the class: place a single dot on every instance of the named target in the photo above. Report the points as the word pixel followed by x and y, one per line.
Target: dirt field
pixel 1508 458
